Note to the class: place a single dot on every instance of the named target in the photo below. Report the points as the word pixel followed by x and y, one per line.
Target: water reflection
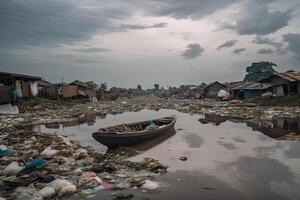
pixel 213 118
pixel 263 178
pixel 193 139
pixel 140 148
pixel 232 158
pixel 227 145
pixel 275 128
pixel 89 119
pixel 278 127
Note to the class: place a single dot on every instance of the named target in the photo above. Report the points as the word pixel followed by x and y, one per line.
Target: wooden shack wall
pixel 212 90
pixel 5 93
pixel 276 80
pixel 48 91
pixel 69 90
pixel 25 89
pixel 90 92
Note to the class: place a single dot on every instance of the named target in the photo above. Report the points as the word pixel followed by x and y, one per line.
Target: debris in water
pixel 183 158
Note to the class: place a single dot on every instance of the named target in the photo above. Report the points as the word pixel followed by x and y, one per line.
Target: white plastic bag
pixel 12 169
pixel 48 152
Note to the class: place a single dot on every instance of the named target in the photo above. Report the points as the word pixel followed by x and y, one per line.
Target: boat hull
pixel 130 139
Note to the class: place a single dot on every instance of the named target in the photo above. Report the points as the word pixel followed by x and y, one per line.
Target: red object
pixel 235 101
pixel 107 186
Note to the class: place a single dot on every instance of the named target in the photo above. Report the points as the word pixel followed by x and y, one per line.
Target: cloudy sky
pixel 125 43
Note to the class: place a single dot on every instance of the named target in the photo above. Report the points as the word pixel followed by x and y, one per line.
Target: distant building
pixel 25 85
pixel 47 89
pixel 211 91
pixel 249 89
pixel 115 93
pixel 284 84
pixel 85 89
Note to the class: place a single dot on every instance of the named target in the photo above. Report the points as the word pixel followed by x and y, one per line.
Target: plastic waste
pixel 150 127
pixel 12 169
pixel 63 186
pixel 26 193
pixel 93 190
pixel 150 185
pixel 235 101
pixel 80 153
pixel 89 179
pixel 47 192
pixel 150 121
pixel 183 158
pixel 3 147
pixel 66 140
pixel 107 186
pixel 48 152
pixel 223 94
pixel 4 151
pixel 124 197
pixel 69 189
pixel 9 109
pixel 37 163
pixel 123 185
pixel 45 178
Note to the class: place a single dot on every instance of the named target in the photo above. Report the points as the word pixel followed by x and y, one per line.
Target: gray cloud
pixel 268 41
pixel 279 46
pixel 293 41
pixel 179 9
pixel 52 22
pixel 265 51
pixel 192 51
pixel 227 44
pixel 255 17
pixel 238 51
pixel 92 50
pixel 84 61
pixel 141 26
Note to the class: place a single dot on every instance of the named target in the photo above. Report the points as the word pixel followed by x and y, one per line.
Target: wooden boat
pixel 134 150
pixel 134 133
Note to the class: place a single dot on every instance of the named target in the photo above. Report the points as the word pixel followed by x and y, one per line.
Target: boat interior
pixel 139 126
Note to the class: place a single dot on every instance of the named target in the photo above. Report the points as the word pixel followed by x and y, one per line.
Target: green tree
pixel 259 70
pixel 139 87
pixel 156 86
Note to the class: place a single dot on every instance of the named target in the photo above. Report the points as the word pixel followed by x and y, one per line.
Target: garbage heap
pixel 39 166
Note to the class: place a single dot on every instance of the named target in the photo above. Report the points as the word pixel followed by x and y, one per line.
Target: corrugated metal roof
pixel 216 82
pixel 285 77
pixel 82 84
pixel 43 83
pixel 21 76
pixel 250 86
pixel 294 75
pixel 289 76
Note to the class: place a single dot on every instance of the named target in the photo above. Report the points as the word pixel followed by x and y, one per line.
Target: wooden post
pixel 288 87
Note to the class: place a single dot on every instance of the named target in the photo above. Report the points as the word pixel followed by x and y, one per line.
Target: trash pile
pixel 39 166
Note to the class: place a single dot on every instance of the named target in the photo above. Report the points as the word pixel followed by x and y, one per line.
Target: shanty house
pixel 25 85
pixel 65 90
pixel 84 89
pixel 284 84
pixel 211 91
pixel 47 89
pixel 249 89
